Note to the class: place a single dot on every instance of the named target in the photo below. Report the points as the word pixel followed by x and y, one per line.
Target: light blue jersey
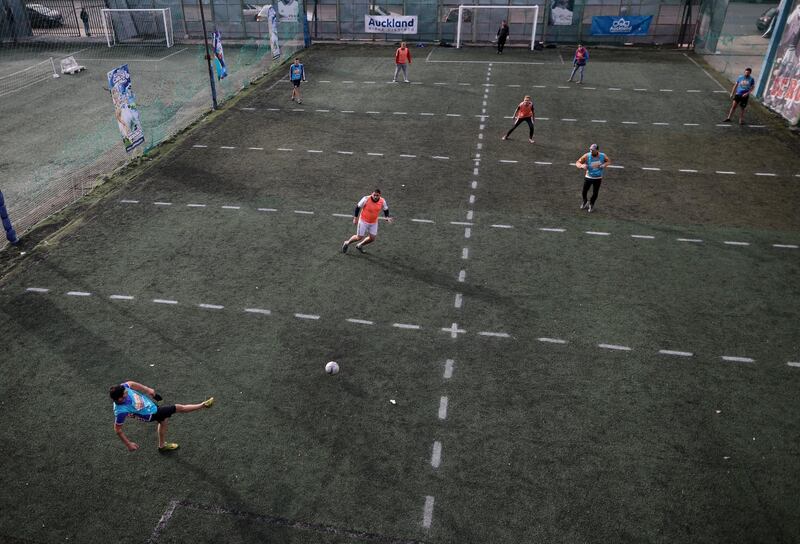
pixel 744 84
pixel 593 165
pixel 296 72
pixel 136 404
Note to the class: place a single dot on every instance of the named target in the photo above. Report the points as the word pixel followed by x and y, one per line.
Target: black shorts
pixel 163 413
pixel 741 100
pixel 296 82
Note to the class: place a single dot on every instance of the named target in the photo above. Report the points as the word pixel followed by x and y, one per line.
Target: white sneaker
pixel 584 205
pixel 590 208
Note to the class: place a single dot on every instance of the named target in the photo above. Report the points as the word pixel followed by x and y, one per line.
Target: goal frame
pixel 166 19
pixel 462 7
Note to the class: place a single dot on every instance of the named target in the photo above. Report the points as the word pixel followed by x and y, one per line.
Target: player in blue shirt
pixel 296 75
pixel 740 93
pixel 139 401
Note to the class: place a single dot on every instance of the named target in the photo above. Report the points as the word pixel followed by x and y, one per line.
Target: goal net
pixel 29 76
pixel 482 22
pixel 138 27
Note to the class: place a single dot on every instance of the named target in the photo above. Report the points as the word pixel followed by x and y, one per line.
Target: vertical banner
pixel 125 110
pixel 219 57
pixel 561 12
pixel 288 11
pixel 783 88
pixel 272 17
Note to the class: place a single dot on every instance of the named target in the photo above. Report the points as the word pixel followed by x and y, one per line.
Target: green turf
pixel 541 442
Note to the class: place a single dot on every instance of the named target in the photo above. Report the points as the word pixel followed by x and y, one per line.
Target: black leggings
pixel 518 123
pixel 595 185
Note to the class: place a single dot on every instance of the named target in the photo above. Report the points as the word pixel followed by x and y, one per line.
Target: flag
pixel 219 57
pixel 125 110
pixel 272 17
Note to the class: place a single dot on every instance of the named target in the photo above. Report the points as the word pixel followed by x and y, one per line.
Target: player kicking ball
pixel 366 217
pixel 139 401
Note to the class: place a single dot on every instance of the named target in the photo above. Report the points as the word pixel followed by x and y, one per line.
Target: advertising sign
pixel 390 24
pixel 621 26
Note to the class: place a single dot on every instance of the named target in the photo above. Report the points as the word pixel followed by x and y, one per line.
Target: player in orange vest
pixel 524 112
pixel 366 217
pixel 402 58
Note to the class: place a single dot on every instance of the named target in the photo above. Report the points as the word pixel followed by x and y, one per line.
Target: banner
pixel 782 92
pixel 272 18
pixel 288 11
pixel 219 57
pixel 390 24
pixel 621 26
pixel 125 110
pixel 561 12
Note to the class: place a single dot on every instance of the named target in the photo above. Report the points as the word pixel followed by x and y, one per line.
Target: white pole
pixel 533 31
pixel 458 31
pixel 105 29
pixel 166 32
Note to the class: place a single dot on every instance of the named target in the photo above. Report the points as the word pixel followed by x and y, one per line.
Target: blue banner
pixel 621 26
pixel 219 56
pixel 125 110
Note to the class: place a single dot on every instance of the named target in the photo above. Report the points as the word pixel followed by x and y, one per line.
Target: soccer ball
pixel 332 368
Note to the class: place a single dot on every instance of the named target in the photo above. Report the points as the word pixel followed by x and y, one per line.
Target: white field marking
pixel 347 82
pixel 765 174
pixel 484 102
pixel 129 201
pixel 539 86
pixel 426 113
pixel 459 301
pixel 504 161
pixel 198 145
pixel 614 347
pixel 723 125
pixel 726 172
pixel 427 512
pixel 267 209
pixel 661 124
pixel 360 321
pixel 470 215
pixel 227 147
pixel 422 220
pixel 462 276
pixel 368 82
pixel 730 243
pixel 543 163
pixel 785 246
pixel 552 340
pixel 515 86
pixel 614 89
pixel 325 111
pixel 211 306
pixel 630 122
pixel 650 168
pixel 461 223
pixel 706 73
pixel 675 353
pixel 467 232
pixel 258 311
pixel 440 157
pixel 306 316
pixel 162 203
pixel 314 151
pixel 562 87
pixel 256 148
pixel 465 253
pixel 448 369
pixel 690 240
pixel 482 127
pixel 549 229
pixel 538 118
pixel 375 154
pixel 342 215
pixel 231 207
pixel 373 112
pixel 406 326
pixel 164 521
pixel 734 359
pixel 590 88
pixel 409 156
pixel 345 152
pixel 599 121
pixel 568 119
pixel 273 109
pixel 37 290
pixel 285 149
pixel 164 301
pixel 439 83
pixel 465 84
pixel 443 408
pixel 347 111
pixel 691 124
pixel 693 90
pixel 687 170
pixel 78 294
pixel 436 455
pixel 399 113
pixel 502 226
pixel 303 212
pixel 454 330
pixel 474 185
pixel 474 171
pixel 794 364
pixel 665 90
pixel 453 115
pixel 121 297
pixel 300 109
pixel 597 233
pixel 495 334
pixel 640 89
pixel 757 126
pixel 324 81
pixel 479 146
pixel 643 236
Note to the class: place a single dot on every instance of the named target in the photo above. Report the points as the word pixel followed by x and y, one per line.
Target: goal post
pixel 462 7
pixel 138 27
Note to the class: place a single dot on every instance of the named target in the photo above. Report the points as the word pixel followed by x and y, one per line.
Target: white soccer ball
pixel 332 367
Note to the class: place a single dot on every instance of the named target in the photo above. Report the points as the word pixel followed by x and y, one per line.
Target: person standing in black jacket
pixel 502 36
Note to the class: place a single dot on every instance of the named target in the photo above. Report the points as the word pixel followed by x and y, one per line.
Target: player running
pixel 594 163
pixel 366 217
pixel 139 401
pixel 524 112
pixel 296 74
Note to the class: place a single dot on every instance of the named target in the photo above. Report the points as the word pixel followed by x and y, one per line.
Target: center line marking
pixel 78 294
pixel 427 515
pixel 440 157
pixel 258 311
pixel 226 147
pixel 727 242
pixel 164 301
pixel 409 156
pixel 467 232
pixel 552 340
pixel 676 353
pixel 448 369
pixel 690 240
pixel 459 300
pixel 687 170
pixel 443 408
pixel 436 455
pixel 785 246
pixel 129 201
pixel 285 149
pixel 231 207
pixel 724 172
pixel 37 290
pixel 269 210
pixel 345 152
pixel 406 326
pixel 495 334
pixel 375 154
pixel 211 306
pixel 162 203
pixel 614 347
pixel 651 168
pixel 734 359
pixel 314 151
pixel 548 229
pixel 542 162
pixel 256 148
pixel 422 220
pixel 465 253
pixel 360 321
pixel 121 297
pixel 598 233
pixel 643 236
pixel 304 212
pixel 306 316
pixel 765 174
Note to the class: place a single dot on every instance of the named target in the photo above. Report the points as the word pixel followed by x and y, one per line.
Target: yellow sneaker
pixel 209 402
pixel 169 446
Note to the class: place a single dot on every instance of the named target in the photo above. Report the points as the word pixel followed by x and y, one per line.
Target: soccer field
pixel 513 369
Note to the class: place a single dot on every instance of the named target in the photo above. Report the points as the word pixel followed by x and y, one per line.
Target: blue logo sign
pixel 621 26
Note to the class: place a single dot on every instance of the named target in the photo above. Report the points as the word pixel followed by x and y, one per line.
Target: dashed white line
pixel 467 232
pixel 372 112
pixel 643 236
pixel 597 233
pixel 426 113
pixel 459 301
pixel 735 359
pixel 630 122
pixel 614 347
pixel 314 151
pixel 422 220
pixel 443 408
pixel 306 316
pixel 726 172
pixel 198 145
pixel 465 253
pixel 258 311
pixel 303 212
pixel 210 306
pixel 37 290
pixel 552 340
pixel 544 163
pixel 687 170
pixel 461 223
pixel 650 168
pixel 427 514
pixel 785 246
pixel 766 174
pixel 267 209
pixel 730 243
pixel 661 124
pixel 690 240
pixel 129 201
pixel 675 353
pixel 462 276
pixel 375 154
pixel 360 321
pixel 348 215
pixel 347 111
pixel 164 301
pixel 78 294
pixel 121 297
pixel 569 120
pixel 495 334
pixel 256 148
pixel 504 161
pixel 691 124
pixel 549 229
pixel 409 156
pixel 399 113
pixel 325 111
pixel 227 147
pixel 406 326
pixel 285 149
pixel 448 369
pixel 162 203
pixel 503 226
pixel 439 157
pixel 345 152
pixel 794 364
pixel 231 207
pixel 436 455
